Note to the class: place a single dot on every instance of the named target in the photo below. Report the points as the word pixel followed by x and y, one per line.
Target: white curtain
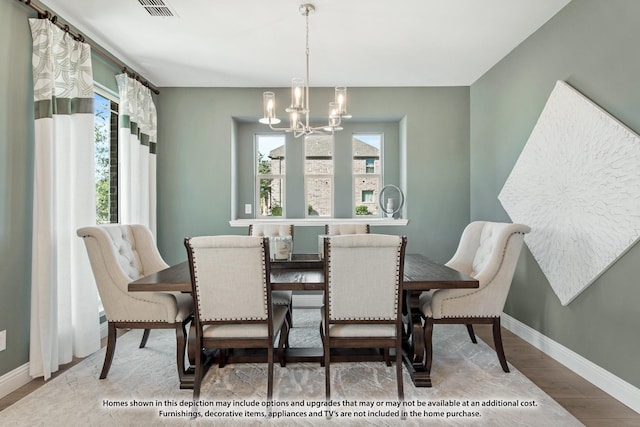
pixel 137 153
pixel 64 298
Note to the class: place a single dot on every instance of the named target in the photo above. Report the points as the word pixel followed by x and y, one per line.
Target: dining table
pixel 305 272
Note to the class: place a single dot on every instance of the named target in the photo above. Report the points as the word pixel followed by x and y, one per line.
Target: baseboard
pixel 601 378
pixel 13 380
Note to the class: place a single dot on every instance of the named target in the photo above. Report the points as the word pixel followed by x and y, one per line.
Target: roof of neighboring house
pixel 361 149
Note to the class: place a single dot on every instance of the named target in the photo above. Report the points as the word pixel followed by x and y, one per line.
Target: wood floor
pixel 586 402
pixel 592 406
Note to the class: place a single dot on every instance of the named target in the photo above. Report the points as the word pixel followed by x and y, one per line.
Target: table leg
pixel 413 341
pixel 187 378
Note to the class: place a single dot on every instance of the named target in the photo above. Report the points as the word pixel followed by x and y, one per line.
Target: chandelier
pixel 299 108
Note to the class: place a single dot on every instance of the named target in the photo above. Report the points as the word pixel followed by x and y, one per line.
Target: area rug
pixel 469 388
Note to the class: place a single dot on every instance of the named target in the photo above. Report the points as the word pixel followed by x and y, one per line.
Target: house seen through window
pixel 367 172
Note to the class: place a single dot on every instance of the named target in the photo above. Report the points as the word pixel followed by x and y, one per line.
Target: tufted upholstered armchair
pixel 363 300
pixel 231 282
pixel 488 251
pixel 274 230
pixel 120 254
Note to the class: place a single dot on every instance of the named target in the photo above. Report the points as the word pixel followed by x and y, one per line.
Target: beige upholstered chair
pixel 283 298
pixel 120 254
pixel 489 252
pixel 363 301
pixel 230 277
pixel 339 229
pixel 269 230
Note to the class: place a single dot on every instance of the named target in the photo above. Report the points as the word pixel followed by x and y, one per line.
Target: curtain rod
pixel 45 14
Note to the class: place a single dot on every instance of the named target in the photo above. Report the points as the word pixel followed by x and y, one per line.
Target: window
pixel 369 166
pixel 270 175
pixel 367 196
pixel 106 157
pixel 318 175
pixel 367 172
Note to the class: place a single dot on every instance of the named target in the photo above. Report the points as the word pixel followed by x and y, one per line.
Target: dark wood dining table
pixel 304 272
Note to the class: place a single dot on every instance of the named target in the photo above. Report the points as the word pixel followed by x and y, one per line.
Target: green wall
pixel 593 46
pixel 16 181
pixel 197 149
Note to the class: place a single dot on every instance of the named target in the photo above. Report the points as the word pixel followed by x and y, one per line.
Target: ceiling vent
pixel 157 8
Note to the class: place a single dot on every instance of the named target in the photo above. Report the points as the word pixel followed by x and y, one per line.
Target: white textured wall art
pixel 577 185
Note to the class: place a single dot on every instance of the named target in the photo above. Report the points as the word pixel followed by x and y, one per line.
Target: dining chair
pixel 284 298
pixel 339 229
pixel 230 278
pixel 120 254
pixel 363 297
pixel 488 251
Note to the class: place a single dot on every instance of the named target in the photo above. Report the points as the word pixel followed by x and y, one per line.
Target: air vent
pixel 157 8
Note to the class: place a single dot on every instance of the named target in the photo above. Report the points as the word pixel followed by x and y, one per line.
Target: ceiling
pixel 261 43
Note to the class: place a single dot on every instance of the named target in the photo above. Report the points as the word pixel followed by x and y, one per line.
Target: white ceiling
pixel 261 43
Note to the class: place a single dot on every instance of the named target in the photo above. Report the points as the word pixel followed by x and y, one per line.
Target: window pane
pixel 270 174
pixel 318 175
pixel 367 172
pixel 271 197
pixel 106 159
pixel 271 155
pixel 319 196
pixel 366 195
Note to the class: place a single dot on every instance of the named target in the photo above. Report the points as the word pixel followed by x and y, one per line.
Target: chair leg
pixel 289 316
pixel 223 358
pixel 399 374
pixel 497 341
pixel 322 338
pixel 270 373
pixel 181 344
pixel 197 378
pixel 284 337
pixel 428 333
pixel 145 337
pixel 387 356
pixel 111 348
pixel 472 334
pixel 326 350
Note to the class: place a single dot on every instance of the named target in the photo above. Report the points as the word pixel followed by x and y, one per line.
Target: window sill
pixel 316 222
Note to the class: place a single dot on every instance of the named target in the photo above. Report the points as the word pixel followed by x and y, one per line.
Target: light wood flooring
pixel 592 406
pixel 586 402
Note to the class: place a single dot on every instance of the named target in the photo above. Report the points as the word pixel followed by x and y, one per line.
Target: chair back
pixel 119 254
pixel 270 230
pixel 363 273
pixel 339 229
pixel 230 278
pixel 488 251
